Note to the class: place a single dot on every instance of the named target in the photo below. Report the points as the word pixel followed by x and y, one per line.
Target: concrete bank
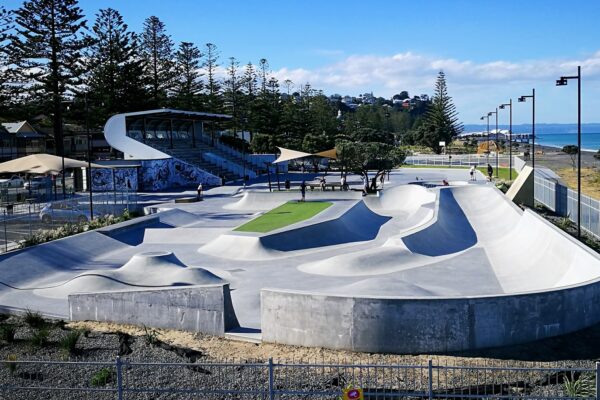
pixel 438 325
pixel 206 309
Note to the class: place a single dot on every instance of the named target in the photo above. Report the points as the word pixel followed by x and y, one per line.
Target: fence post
pixel 598 381
pixel 430 380
pixel 271 380
pixel 5 234
pixel 119 379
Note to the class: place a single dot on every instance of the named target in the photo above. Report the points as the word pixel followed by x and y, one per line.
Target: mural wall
pixel 125 178
pixel 172 173
pixel 152 175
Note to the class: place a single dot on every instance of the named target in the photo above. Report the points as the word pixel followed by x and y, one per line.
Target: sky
pixel 490 51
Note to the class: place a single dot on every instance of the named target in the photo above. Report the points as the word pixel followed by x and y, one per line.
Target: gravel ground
pixel 194 367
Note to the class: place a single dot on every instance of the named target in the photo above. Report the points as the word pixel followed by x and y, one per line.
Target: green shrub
pixel 34 319
pixel 10 363
pixel 150 336
pixel 39 337
pixel 69 342
pixel 584 386
pixel 7 332
pixel 102 377
pixel 47 235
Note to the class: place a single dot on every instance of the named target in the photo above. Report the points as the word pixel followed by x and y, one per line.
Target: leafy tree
pixel 188 84
pixel 157 51
pixel 572 151
pixel 48 47
pixel 441 121
pixel 359 158
pixel 115 79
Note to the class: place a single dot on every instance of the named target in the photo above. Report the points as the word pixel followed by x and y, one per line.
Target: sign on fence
pixel 353 394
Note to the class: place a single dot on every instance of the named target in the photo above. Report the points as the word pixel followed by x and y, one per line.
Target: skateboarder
pixel 490 171
pixel 472 172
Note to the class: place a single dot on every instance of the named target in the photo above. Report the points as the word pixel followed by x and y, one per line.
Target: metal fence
pixel 563 201
pixel 123 379
pixel 464 160
pixel 18 220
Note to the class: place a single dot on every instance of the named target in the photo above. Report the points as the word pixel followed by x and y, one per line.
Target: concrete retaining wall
pixel 206 309
pixel 400 325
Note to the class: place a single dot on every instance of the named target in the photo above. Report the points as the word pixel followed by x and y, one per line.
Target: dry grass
pixel 590 180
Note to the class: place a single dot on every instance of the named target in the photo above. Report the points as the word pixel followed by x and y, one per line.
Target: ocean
pixel 590 141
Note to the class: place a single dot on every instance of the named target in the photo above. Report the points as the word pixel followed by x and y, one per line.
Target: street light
pixel 563 82
pixel 502 107
pixel 488 136
pixel 522 100
pixel 490 113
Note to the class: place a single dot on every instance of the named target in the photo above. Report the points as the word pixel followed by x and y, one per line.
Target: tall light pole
pixel 490 114
pixel 488 136
pixel 502 107
pixel 89 139
pixel 563 82
pixel 522 100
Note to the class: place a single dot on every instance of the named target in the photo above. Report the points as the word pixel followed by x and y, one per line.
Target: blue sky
pixel 489 50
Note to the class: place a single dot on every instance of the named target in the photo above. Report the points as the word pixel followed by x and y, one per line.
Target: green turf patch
pixel 284 215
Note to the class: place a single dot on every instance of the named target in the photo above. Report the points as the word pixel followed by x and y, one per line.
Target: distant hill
pixel 540 128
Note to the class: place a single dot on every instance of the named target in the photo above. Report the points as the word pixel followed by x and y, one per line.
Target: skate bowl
pixel 511 278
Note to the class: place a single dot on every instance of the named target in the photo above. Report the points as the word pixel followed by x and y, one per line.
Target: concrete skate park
pixel 418 268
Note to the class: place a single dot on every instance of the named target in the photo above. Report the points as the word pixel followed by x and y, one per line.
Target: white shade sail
pixel 42 164
pixel 287 155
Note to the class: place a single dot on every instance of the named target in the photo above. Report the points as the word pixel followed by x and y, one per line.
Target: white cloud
pixel 472 84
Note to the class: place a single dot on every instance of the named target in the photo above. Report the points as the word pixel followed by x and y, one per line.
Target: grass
pixel 590 180
pixel 503 172
pixel 284 215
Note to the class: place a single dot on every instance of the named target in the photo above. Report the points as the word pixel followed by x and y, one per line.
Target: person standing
pixel 472 172
pixel 303 191
pixel 343 183
pixel 490 172
pixel 323 182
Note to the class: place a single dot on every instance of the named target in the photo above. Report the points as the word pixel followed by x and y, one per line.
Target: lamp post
pixel 490 114
pixel 502 107
pixel 487 153
pixel 488 136
pixel 89 139
pixel 522 100
pixel 563 82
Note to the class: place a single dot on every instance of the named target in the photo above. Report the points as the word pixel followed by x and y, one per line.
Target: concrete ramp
pixel 450 233
pixel 521 190
pixel 265 201
pixel 150 269
pixel 356 225
pixel 400 201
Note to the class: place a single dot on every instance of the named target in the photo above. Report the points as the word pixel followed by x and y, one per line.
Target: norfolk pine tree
pixel 47 47
pixel 157 51
pixel 441 121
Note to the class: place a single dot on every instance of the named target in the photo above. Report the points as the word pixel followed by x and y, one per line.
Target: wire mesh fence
pixel 20 220
pixel 123 379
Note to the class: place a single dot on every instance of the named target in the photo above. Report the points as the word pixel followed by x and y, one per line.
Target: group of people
pixel 490 172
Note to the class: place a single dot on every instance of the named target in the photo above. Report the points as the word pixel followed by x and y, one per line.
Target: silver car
pixel 64 211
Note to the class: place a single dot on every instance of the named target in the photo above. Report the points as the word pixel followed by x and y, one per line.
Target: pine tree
pixel 116 70
pixel 157 51
pixel 6 25
pixel 47 47
pixel 213 87
pixel 232 91
pixel 441 121
pixel 188 84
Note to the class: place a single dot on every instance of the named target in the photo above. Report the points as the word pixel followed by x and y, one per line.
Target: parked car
pixel 64 211
pixel 39 182
pixel 13 182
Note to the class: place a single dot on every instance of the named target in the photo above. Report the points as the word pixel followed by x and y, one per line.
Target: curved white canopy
pixel 42 164
pixel 287 155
